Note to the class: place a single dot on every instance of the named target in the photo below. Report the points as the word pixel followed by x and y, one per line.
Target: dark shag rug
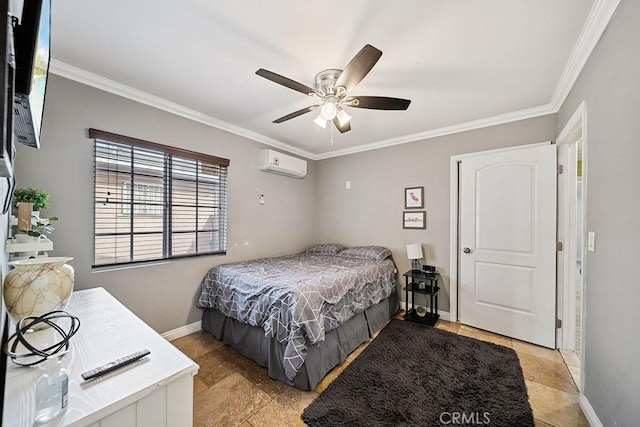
pixel 414 375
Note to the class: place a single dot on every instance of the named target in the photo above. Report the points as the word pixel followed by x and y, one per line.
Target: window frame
pixel 202 162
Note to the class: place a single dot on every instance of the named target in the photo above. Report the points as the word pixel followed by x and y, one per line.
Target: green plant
pixel 421 310
pixel 39 228
pixel 39 198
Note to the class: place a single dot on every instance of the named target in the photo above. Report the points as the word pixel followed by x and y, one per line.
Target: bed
pixel 301 315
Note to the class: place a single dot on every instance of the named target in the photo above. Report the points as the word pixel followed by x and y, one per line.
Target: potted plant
pixel 30 226
pixel 38 198
pixel 39 227
pixel 421 310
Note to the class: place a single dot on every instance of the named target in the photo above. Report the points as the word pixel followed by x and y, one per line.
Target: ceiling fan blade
pixel 378 102
pixel 359 67
pixel 296 114
pixel 285 81
pixel 343 129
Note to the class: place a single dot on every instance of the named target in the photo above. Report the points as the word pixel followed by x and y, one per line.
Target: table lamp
pixel 414 253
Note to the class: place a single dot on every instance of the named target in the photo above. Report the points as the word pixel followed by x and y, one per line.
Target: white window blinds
pixel 154 202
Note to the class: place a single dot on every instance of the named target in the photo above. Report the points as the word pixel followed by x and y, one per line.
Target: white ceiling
pixel 458 61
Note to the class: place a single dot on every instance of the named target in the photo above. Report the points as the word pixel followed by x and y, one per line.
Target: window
pixel 154 202
pixel 148 199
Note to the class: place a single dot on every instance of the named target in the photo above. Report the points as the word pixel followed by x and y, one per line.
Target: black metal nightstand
pixel 420 282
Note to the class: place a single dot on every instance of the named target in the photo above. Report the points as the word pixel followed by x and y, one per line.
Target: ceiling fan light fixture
pixel 320 121
pixel 343 117
pixel 328 110
pixel 332 87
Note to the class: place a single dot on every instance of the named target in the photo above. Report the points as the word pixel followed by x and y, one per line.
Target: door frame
pixel 567 234
pixel 575 128
pixel 454 221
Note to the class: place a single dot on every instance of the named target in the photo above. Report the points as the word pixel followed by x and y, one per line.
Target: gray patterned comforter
pixel 297 298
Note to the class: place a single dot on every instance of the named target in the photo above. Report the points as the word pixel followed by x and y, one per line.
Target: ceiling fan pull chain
pixel 331 135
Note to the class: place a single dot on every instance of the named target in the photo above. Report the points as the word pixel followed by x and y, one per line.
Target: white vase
pixel 37 286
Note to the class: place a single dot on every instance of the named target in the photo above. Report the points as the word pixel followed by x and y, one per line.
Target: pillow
pixel 328 249
pixel 366 252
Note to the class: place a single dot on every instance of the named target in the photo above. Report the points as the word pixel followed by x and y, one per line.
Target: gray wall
pixel 371 212
pixel 610 83
pixel 162 295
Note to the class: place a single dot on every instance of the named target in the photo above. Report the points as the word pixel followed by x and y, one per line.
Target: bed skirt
pixel 269 353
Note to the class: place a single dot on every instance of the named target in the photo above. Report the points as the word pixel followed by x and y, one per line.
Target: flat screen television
pixel 32 43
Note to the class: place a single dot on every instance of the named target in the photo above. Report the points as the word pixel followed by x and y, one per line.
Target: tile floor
pixel 572 361
pixel 231 390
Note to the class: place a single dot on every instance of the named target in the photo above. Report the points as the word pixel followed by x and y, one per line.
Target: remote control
pixel 112 366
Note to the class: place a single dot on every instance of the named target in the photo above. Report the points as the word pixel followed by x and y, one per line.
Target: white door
pixel 507 246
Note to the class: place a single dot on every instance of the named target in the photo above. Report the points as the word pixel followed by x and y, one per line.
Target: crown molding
pixel 599 17
pixel 529 113
pixel 601 13
pixel 90 79
pixel 85 77
pixel 595 26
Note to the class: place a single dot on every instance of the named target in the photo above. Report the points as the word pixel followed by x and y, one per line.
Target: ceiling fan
pixel 332 89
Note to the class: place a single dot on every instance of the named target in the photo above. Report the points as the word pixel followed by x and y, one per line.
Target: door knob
pixel 466 250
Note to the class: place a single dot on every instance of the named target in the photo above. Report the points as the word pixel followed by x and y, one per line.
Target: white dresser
pixel 154 391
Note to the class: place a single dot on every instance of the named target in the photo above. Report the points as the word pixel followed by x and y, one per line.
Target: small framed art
pixel 414 219
pixel 414 198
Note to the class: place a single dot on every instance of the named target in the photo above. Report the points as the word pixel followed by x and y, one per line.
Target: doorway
pixel 578 275
pixel 572 186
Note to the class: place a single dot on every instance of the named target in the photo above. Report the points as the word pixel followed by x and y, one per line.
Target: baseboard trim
pixel 589 412
pixel 182 331
pixel 444 315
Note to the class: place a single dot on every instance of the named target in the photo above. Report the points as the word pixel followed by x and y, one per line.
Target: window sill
pixel 116 267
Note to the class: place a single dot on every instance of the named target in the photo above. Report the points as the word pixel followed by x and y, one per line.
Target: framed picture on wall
pixel 414 198
pixel 414 219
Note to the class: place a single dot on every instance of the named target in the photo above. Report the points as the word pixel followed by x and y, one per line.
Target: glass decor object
pixel 52 391
pixel 37 286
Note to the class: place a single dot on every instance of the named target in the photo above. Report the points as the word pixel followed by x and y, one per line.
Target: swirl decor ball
pixel 37 286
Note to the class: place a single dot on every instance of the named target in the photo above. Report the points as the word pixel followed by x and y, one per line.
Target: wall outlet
pixel 347 185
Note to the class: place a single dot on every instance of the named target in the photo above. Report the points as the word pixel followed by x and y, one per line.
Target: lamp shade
pixel 343 117
pixel 321 121
pixel 414 251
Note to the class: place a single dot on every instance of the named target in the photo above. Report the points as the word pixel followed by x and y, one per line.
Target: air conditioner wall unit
pixel 282 164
